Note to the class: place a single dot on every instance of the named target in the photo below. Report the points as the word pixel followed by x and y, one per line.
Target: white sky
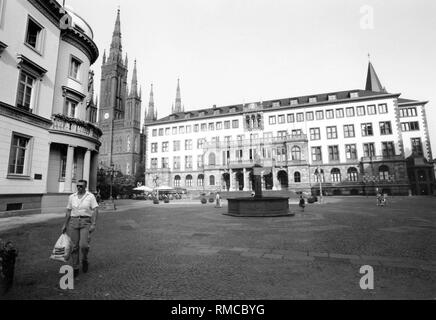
pixel 233 51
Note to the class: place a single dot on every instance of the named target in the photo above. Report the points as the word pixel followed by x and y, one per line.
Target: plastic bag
pixel 62 249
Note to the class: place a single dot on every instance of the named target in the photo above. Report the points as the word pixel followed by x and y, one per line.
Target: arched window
pixel 189 180
pixel 383 172
pixel 336 175
pixel 296 153
pixel 177 180
pixel 212 159
pixel 200 180
pixel 212 180
pixel 319 175
pixel 297 177
pixel 352 174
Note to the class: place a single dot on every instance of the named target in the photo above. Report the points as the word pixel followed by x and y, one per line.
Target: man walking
pixel 81 217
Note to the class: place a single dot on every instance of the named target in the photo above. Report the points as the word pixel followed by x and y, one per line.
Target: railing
pixel 382 158
pixel 254 142
pixel 71 125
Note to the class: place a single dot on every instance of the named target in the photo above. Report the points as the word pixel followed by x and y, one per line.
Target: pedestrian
pixel 218 200
pixel 8 255
pixel 81 218
pixel 302 203
pixel 378 199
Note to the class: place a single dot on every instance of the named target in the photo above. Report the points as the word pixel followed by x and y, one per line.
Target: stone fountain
pixel 258 206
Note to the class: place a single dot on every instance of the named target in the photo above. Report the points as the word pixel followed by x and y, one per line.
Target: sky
pixel 228 52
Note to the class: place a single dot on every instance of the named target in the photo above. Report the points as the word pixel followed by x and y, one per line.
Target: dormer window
pixel 332 97
pixel 216 112
pixel 276 104
pixel 312 100
pixel 294 102
pixel 354 94
pixel 201 114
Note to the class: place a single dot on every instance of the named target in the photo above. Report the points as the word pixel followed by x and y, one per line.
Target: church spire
pixel 178 105
pixel 372 81
pixel 151 114
pixel 134 86
pixel 116 48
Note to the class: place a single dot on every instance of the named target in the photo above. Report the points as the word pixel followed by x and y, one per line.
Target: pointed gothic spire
pixel 126 61
pixel 372 81
pixel 178 105
pixel 150 114
pixel 104 56
pixel 134 86
pixel 116 48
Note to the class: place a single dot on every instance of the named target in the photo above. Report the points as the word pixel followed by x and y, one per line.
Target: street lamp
pixel 112 178
pixel 320 184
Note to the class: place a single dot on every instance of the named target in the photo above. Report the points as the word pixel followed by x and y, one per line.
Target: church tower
pixel 178 106
pixel 120 112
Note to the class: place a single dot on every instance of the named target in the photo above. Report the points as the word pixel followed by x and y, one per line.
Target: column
pixel 69 170
pixel 262 177
pixel 275 180
pixel 93 173
pixel 246 184
pixel 87 168
pixel 232 181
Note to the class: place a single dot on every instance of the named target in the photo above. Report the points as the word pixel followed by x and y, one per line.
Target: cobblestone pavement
pixel 193 251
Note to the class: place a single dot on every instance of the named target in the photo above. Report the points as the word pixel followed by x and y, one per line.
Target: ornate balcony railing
pixel 66 124
pixel 382 158
pixel 254 142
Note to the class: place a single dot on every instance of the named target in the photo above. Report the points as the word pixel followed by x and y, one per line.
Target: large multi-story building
pixel 48 136
pixel 120 111
pixel 348 142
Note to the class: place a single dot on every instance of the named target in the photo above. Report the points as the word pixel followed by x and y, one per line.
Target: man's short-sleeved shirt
pixel 83 206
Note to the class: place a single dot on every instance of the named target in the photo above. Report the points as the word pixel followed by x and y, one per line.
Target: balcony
pixel 254 142
pixel 382 158
pixel 72 126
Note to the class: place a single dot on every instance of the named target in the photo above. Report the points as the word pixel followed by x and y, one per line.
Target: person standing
pixel 218 200
pixel 302 203
pixel 81 218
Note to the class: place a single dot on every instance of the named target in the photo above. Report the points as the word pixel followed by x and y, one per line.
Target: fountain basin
pixel 258 207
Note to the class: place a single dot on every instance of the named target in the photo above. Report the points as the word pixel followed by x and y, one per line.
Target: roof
pixel 302 101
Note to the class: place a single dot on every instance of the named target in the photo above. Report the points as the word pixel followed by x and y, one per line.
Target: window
pixel 388 149
pixel 200 180
pixel 350 112
pixel 196 127
pixel 354 95
pixel 188 162
pixel 154 163
pixel 154 133
pixel 239 138
pixel 188 182
pixel 212 159
pixel 226 124
pixel 300 117
pixel 383 173
pixel 177 180
pixel 200 143
pixel 291 118
pixel 383 108
pixel 200 163
pixel 385 128
pixel 219 125
pixel 417 146
pixel 272 120
pixel 309 116
pixel 239 154
pixel 296 153
pixel 293 102
pixel 176 163
pixel 410 126
pixel 267 135
pixel 34 34
pixel 332 97
pixel 352 174
pixel 368 150
pixel 182 130
pixel 329 114
pixel 188 129
pixel 334 153
pixel 367 129
pixel 226 157
pixel 315 134
pixel 349 131
pixel 339 113
pixel 25 90
pixel 235 124
pixel 161 132
pixel 165 146
pixel 332 132
pixel 165 163
pixel 371 110
pixel 75 68
pixel 281 118
pixel 211 126
pixel 360 111
pixel 316 154
pixel 212 180
pixel 167 131
pixel 188 144
pixel 320 115
pixel 297 177
pixel 203 127
pixel 351 151
pixel 19 154
pixel 296 133
pixel 154 148
pixel 312 100
pixel 336 175
pixel 319 175
pixel 70 108
pixel 276 104
pixel 176 145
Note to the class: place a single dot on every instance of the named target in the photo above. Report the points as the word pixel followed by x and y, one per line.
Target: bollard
pixel 8 255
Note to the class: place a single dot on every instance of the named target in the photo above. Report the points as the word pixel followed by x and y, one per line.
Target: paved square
pixel 187 250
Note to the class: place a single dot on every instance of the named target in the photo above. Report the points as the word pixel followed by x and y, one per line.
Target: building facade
pixel 47 111
pixel 120 111
pixel 349 142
